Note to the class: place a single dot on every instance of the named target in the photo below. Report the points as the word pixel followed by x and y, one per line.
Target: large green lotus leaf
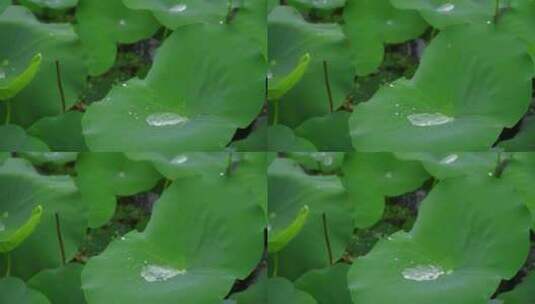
pixel 13 290
pixel 443 13
pixel 4 156
pixel 383 172
pixel 103 24
pixel 102 176
pixel 283 139
pixel 178 258
pixel 257 140
pixel 174 166
pixel 56 4
pixel 61 285
pixel 4 4
pixel 13 138
pixel 23 36
pixel 327 286
pixel 250 19
pixel 370 24
pixel 60 133
pixel 318 4
pixel 370 177
pixel 327 133
pixel 23 190
pixel 289 190
pixel 445 165
pixel 274 291
pixel 519 19
pixel 523 293
pixel 197 93
pixel 245 166
pixel 326 162
pixel 470 234
pixel 290 37
pixel 524 139
pixel 176 13
pixel 520 173
pixel 12 83
pixel 54 158
pixel 479 89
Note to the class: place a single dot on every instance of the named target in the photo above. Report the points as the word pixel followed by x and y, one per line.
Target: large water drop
pixel 156 273
pixel 446 8
pixel 179 160
pixel 450 159
pixel 179 8
pixel 165 119
pixel 423 273
pixel 429 119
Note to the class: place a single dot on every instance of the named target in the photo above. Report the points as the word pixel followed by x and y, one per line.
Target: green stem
pixel 328 86
pixel 60 240
pixel 275 112
pixel 8 264
pixel 230 13
pixel 8 112
pixel 275 264
pixel 497 12
pixel 60 87
pixel 327 239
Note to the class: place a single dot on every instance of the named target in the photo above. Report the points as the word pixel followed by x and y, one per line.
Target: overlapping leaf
pixel 196 244
pixel 479 89
pixel 486 240
pixel 197 93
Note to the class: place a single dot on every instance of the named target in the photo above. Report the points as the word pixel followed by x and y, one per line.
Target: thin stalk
pixel 327 240
pixel 8 112
pixel 275 112
pixel 60 240
pixel 230 13
pixel 60 87
pixel 8 264
pixel 328 86
pixel 275 264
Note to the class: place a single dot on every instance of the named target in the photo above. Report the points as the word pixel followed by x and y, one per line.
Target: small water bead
pixel 389 22
pixel 2 74
pixel 122 22
pixel 490 174
pixel 320 2
pixel 179 160
pixel 156 273
pixel 325 158
pixel 165 119
pixel 388 174
pixel 179 8
pixel 423 273
pixel 269 75
pixel 429 119
pixel 450 159
pixel 446 8
pixel 122 174
pixel 2 227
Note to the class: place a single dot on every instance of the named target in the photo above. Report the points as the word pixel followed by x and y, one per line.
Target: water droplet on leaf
pixel 179 159
pixel 429 119
pixel 423 273
pixel 156 273
pixel 446 8
pixel 165 119
pixel 449 159
pixel 179 8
